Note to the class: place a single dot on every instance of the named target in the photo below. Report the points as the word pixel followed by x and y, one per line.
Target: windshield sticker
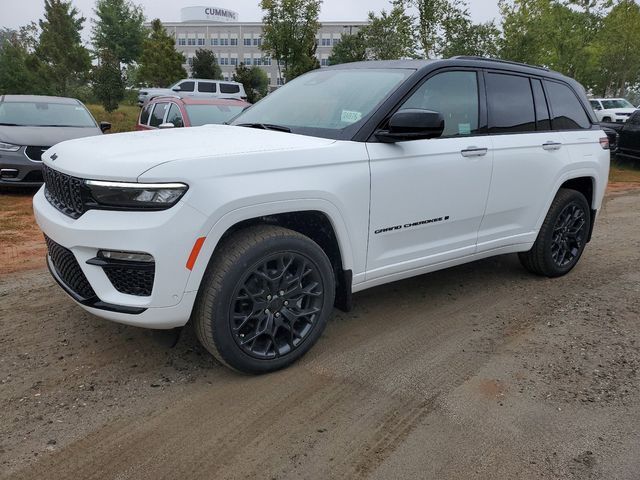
pixel 464 129
pixel 350 117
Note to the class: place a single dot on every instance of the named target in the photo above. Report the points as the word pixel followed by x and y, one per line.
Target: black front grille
pixel 68 269
pixel 131 280
pixel 63 192
pixel 35 153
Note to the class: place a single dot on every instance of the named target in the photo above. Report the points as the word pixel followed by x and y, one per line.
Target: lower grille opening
pixel 68 269
pixel 131 280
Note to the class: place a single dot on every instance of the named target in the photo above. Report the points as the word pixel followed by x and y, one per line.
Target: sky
pixel 14 13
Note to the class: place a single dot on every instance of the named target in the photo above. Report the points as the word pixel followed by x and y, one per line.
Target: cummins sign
pixel 208 14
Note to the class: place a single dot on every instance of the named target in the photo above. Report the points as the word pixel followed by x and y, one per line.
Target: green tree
pixel 205 65
pixel 289 34
pixel 618 46
pixel 390 36
pixel 19 66
pixel 351 48
pixel 108 83
pixel 431 14
pixel 65 61
pixel 118 28
pixel 160 63
pixel 254 80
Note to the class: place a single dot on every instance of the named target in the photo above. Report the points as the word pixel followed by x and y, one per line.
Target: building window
pixel 266 61
pixel 324 62
pixel 214 42
pixel 224 42
pixel 191 41
pixel 224 61
pixel 247 42
pixel 326 42
pixel 280 81
pixel 335 41
pixel 201 41
pixel 257 61
pixel 182 41
pixel 234 42
pixel 257 42
pixel 234 61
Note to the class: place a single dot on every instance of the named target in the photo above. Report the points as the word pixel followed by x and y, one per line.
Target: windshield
pixel 204 114
pixel 616 103
pixel 325 102
pixel 43 114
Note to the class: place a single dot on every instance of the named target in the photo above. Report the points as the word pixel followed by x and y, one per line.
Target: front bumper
pixel 19 171
pixel 167 235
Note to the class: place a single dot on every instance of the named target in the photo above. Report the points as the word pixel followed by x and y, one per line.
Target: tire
pixel 562 237
pixel 264 299
pixel 606 119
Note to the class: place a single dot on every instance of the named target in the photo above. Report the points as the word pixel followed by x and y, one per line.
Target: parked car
pixel 29 125
pixel 628 137
pixel 254 231
pixel 612 109
pixel 170 112
pixel 195 88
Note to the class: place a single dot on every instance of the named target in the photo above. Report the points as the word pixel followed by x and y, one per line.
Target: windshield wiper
pixel 266 126
pixel 10 125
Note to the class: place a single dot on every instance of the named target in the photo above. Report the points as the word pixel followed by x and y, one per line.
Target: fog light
pixel 8 173
pixel 126 256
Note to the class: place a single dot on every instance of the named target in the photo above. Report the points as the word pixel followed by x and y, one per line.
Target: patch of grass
pixel 124 119
pixel 623 171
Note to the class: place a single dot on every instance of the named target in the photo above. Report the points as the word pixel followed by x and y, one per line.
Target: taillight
pixel 604 143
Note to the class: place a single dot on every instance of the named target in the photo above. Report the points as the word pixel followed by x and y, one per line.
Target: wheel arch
pixel 318 219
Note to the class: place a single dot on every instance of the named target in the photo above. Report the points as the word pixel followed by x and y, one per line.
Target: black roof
pixel 460 61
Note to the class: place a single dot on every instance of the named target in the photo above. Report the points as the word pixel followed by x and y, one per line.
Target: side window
pixel 510 104
pixel 144 115
pixel 455 96
pixel 229 88
pixel 158 114
pixel 595 104
pixel 568 113
pixel 543 119
pixel 174 116
pixel 187 86
pixel 207 87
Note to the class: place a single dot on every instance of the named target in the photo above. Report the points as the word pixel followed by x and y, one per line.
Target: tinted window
pixel 595 105
pixel 510 103
pixel 568 113
pixel 44 114
pixel 635 118
pixel 229 88
pixel 144 115
pixel 455 96
pixel 543 120
pixel 616 103
pixel 158 114
pixel 187 86
pixel 206 87
pixel 174 116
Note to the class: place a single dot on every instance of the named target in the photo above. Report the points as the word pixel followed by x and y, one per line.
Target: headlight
pixel 135 196
pixel 9 147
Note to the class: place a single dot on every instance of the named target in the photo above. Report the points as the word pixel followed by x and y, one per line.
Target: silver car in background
pixel 31 124
pixel 195 88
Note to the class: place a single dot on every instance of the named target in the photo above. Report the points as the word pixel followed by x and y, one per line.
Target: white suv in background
pixel 252 232
pixel 195 88
pixel 617 110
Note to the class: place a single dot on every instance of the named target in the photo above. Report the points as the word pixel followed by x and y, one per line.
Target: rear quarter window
pixel 567 111
pixel 144 114
pixel 158 114
pixel 511 108
pixel 229 88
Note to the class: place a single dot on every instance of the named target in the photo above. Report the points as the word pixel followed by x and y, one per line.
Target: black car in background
pixel 31 124
pixel 626 137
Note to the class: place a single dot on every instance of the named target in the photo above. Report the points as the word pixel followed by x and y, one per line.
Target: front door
pixel 428 196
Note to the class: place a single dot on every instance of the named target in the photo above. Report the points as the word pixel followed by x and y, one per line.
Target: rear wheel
pixel 265 299
pixel 562 237
pixel 606 119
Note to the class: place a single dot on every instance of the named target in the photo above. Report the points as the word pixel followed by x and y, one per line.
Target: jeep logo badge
pixel 53 157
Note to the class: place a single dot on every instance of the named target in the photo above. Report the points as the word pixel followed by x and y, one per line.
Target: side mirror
pixel 412 124
pixel 104 126
pixel 166 125
pixel 177 89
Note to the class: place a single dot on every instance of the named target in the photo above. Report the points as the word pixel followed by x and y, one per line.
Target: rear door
pixel 207 89
pixel 428 196
pixel 527 157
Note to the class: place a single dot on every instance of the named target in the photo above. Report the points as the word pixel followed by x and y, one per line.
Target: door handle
pixel 551 145
pixel 474 152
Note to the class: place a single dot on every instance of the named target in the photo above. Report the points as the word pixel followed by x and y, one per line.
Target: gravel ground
pixel 481 371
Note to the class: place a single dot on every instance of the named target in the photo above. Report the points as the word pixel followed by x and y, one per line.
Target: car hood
pixel 126 156
pixel 44 136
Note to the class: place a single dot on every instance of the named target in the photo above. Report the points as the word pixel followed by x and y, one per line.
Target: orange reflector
pixel 194 252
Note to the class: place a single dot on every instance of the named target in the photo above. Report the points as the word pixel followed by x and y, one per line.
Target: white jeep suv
pixel 616 110
pixel 343 179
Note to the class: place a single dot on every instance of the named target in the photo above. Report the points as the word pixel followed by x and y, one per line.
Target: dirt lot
pixel 481 371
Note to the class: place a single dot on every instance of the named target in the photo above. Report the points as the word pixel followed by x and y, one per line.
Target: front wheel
pixel 265 299
pixel 562 237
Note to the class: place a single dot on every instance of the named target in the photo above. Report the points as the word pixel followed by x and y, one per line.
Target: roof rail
pixel 508 62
